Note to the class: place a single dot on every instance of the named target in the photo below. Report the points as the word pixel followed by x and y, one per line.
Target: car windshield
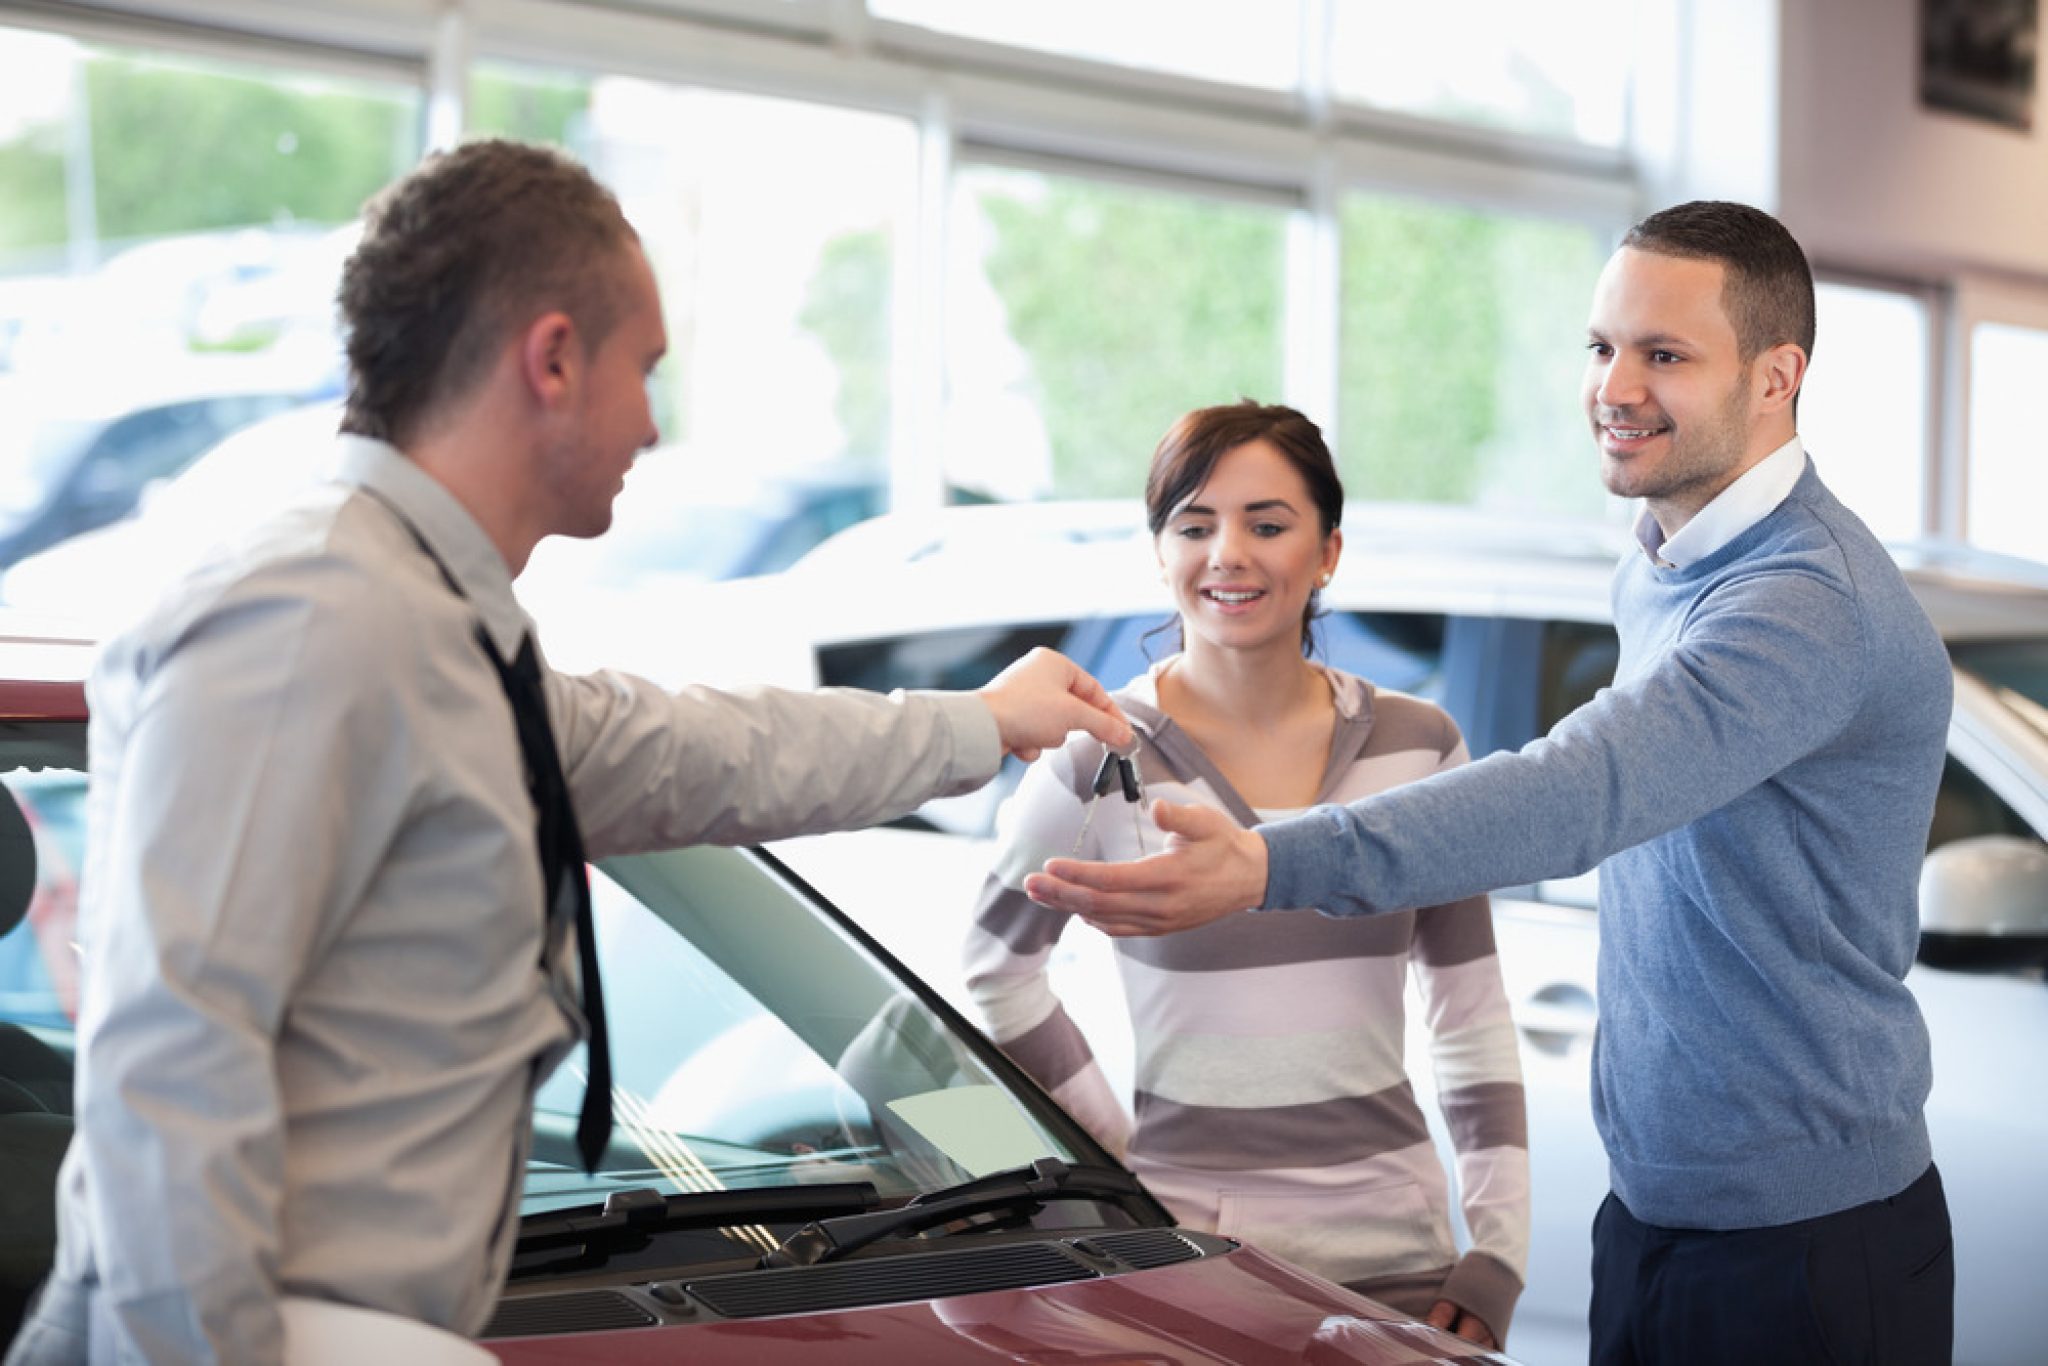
pixel 2015 670
pixel 756 1042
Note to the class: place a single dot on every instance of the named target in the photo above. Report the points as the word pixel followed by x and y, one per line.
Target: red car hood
pixel 1243 1308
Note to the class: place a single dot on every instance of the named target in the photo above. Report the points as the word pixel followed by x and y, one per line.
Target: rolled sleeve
pixel 704 766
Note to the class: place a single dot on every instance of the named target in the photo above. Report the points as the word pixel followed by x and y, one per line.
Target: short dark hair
pixel 471 243
pixel 1768 292
pixel 1192 446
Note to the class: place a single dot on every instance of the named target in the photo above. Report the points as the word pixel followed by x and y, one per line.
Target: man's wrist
pixel 1261 852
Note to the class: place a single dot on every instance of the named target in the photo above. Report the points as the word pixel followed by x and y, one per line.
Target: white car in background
pixel 1508 627
pixel 638 598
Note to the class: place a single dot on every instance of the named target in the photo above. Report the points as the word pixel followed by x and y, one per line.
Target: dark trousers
pixel 1873 1284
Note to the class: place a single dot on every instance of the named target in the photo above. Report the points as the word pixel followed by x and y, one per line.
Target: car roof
pixel 1021 563
pixel 1017 564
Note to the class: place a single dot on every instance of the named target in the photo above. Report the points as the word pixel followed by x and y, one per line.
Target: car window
pixel 1578 661
pixel 38 1000
pixel 755 1043
pixel 38 964
pixel 1964 807
pixel 963 658
pixel 1399 650
pixel 2016 670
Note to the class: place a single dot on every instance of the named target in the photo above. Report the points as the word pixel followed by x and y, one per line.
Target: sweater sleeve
pixel 1766 671
pixel 1011 939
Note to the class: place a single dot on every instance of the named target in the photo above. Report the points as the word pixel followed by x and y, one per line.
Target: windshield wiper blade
pixel 1045 1180
pixel 638 1212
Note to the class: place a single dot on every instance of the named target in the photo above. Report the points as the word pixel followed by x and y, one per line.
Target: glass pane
pixel 2008 468
pixel 1243 42
pixel 1863 408
pixel 773 227
pixel 1085 317
pixel 1461 357
pixel 753 1044
pixel 171 231
pixel 38 957
pixel 1558 69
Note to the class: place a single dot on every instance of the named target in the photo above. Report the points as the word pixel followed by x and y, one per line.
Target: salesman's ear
pixel 551 358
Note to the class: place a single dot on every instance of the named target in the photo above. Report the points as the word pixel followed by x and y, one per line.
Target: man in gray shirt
pixel 331 920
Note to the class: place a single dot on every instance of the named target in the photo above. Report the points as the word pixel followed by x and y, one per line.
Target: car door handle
pixel 1555 1017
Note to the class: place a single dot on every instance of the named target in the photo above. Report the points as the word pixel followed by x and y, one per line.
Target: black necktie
pixel 561 856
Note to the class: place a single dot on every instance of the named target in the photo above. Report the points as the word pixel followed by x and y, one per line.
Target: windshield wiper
pixel 633 1214
pixel 1031 1187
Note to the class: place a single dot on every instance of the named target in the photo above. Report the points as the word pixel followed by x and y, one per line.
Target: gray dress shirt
pixel 315 1009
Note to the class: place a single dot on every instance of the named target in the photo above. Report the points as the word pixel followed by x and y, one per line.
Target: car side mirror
pixel 1984 904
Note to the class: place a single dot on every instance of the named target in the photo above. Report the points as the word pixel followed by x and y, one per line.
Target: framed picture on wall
pixel 1977 58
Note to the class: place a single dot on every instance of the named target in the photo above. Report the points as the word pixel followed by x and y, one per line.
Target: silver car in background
pixel 1509 628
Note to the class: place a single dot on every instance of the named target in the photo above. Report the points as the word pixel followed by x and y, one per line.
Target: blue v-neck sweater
pixel 1756 788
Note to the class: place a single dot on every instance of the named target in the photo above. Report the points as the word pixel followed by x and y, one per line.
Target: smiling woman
pixel 1270 1101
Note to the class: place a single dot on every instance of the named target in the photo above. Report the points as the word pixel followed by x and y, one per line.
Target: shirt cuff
pixel 976 746
pixel 1296 849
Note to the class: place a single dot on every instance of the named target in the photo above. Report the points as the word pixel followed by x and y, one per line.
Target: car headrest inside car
pixel 17 862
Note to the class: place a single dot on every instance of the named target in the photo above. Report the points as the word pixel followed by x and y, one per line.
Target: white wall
pixel 1872 180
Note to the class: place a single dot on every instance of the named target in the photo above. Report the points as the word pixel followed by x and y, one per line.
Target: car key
pixel 1117 772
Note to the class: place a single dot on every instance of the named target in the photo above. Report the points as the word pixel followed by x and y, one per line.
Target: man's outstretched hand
pixel 1211 866
pixel 1045 697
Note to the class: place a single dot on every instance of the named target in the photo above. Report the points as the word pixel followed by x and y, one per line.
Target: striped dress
pixel 1272 1102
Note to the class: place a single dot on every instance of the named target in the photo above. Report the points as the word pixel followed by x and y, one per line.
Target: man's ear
pixel 551 358
pixel 1780 372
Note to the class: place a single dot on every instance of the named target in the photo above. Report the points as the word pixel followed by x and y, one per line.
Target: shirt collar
pixel 1734 510
pixel 447 528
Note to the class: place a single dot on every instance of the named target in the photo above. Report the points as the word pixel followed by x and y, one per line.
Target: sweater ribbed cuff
pixel 1484 1286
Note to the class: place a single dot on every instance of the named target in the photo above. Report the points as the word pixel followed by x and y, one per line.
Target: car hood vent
pixel 887 1280
pixel 1142 1249
pixel 581 1311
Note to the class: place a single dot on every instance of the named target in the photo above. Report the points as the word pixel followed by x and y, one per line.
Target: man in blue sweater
pixel 1756 788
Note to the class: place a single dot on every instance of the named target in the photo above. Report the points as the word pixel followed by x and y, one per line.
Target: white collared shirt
pixel 1734 510
pixel 315 1007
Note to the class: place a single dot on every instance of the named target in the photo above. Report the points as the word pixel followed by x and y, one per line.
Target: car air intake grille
pixel 1146 1248
pixel 582 1311
pixel 887 1280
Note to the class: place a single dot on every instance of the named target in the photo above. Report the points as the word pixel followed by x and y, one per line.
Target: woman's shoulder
pixel 1389 713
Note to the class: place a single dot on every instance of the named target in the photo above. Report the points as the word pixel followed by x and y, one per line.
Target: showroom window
pixel 1863 408
pixel 773 227
pixel 158 292
pixel 1085 315
pixel 1549 69
pixel 907 250
pixel 1462 338
pixel 2008 468
pixel 1241 42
